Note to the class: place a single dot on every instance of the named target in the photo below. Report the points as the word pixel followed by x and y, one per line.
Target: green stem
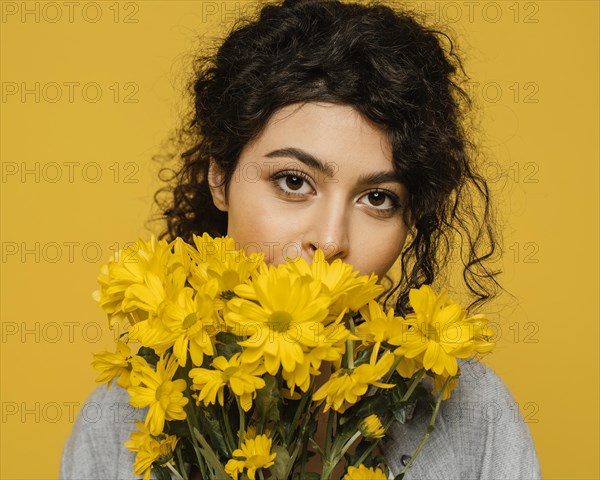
pixel 201 464
pixel 374 444
pixel 350 353
pixel 299 410
pixel 329 433
pixel 175 472
pixel 348 444
pixel 181 462
pixel 430 428
pixel 413 385
pixel 303 457
pixel 228 434
pixel 212 458
pixel 350 345
pixel 242 423
pixel 392 370
pixel 302 440
pixel 330 462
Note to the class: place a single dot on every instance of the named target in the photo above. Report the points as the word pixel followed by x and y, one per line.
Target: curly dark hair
pixel 389 66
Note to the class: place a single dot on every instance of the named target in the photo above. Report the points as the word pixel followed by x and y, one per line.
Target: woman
pixel 340 127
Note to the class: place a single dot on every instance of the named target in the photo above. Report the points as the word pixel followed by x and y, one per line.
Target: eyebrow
pixel 326 169
pixel 305 157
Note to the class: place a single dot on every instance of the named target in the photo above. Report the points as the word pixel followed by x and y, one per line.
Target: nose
pixel 329 230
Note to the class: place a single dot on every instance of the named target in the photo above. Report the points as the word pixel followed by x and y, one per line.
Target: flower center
pixel 228 373
pixel 190 320
pixel 163 391
pixel 280 321
pixel 230 279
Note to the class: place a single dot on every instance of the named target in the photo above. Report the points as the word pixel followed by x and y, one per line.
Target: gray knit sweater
pixel 479 434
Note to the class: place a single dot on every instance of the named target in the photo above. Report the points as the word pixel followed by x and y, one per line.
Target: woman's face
pixel 319 176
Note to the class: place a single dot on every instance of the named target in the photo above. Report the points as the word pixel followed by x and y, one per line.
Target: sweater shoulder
pixel 479 433
pixel 94 448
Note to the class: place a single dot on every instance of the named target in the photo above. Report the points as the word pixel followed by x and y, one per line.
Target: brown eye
pixel 383 202
pixel 377 198
pixel 294 182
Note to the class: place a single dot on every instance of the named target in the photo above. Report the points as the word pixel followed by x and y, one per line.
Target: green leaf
pixel 149 355
pixel 352 459
pixel 161 473
pixel 267 400
pixel 315 445
pixel 209 455
pixel 363 357
pixel 227 345
pixel 178 428
pixel 212 428
pixel 280 467
pixel 378 405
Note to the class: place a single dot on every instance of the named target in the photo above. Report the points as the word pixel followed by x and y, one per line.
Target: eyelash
pixel 388 212
pixel 290 173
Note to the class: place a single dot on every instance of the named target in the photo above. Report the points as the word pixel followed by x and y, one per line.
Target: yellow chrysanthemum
pixel 190 321
pixel 286 321
pixel 438 384
pixel 371 427
pixel 153 294
pixel 364 473
pixel 127 268
pixel 194 322
pixel 331 348
pixel 149 449
pixel 346 385
pixel 254 454
pixel 113 365
pixel 440 330
pixel 243 380
pixel 338 281
pixel 407 367
pixel 378 327
pixel 218 258
pixel 158 391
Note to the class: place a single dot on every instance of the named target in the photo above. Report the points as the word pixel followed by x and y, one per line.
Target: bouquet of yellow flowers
pixel 238 361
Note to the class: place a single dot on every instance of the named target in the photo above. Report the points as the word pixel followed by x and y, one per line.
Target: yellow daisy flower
pixel 331 349
pixel 338 280
pixel 371 427
pixel 151 295
pixel 158 391
pixel 149 449
pixel 366 290
pixel 218 258
pixel 113 365
pixel 346 385
pixel 126 268
pixel 188 321
pixel 407 367
pixel 254 454
pixel 192 319
pixel 378 327
pixel 438 384
pixel 440 330
pixel 243 380
pixel 286 320
pixel 364 473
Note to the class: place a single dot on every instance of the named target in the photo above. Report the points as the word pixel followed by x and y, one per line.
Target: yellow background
pixel 536 65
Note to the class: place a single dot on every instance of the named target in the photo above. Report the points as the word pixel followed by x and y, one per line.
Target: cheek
pixel 378 251
pixel 257 228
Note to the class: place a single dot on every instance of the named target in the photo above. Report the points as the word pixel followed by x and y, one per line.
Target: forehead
pixel 334 133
